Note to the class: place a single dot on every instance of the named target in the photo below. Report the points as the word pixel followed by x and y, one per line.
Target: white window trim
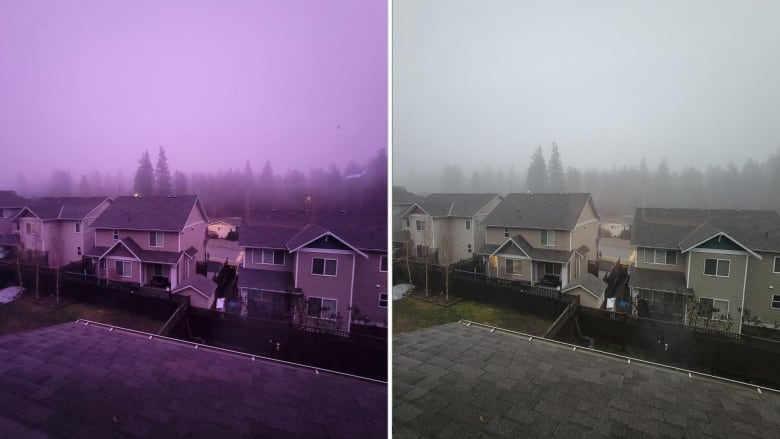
pixel 381 257
pixel 336 311
pixel 774 264
pixel 728 308
pixel 772 301
pixel 419 225
pixel 123 268
pixel 704 270
pixel 506 232
pixel 666 256
pixel 263 252
pixel 380 300
pixel 547 233
pixel 158 241
pixel 468 224
pixel 115 235
pixel 77 226
pixel 513 273
pixel 324 265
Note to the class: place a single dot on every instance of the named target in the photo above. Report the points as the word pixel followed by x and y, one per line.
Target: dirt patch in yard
pixel 27 313
pixel 411 313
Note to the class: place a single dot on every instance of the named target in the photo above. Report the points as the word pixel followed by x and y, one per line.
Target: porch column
pixel 173 278
pixel 564 275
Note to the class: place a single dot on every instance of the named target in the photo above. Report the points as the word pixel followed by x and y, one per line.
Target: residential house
pixel 150 241
pixel 707 267
pixel 541 237
pixel 402 200
pixel 329 271
pixel 615 226
pixel 448 228
pixel 10 205
pixel 199 289
pixel 61 230
pixel 220 227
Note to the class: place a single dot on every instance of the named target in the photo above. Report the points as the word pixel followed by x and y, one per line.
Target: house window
pixel 514 266
pixel 468 224
pixel 775 301
pixel 717 267
pixel 548 238
pixel 405 224
pixel 78 227
pixel 776 268
pixel 268 256
pixel 124 269
pixel 383 263
pixel 420 224
pixel 324 267
pixel 383 300
pixel 116 235
pixel 714 309
pixel 156 239
pixel 78 251
pixel 6 213
pixel 468 248
pixel 33 228
pixel 551 268
pixel 658 256
pixel 102 264
pixel 321 308
pixel 506 232
pixel 420 251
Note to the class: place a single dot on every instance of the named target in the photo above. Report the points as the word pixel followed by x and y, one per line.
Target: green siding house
pixel 712 268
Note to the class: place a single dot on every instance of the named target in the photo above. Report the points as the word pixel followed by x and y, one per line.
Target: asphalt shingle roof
pixel 661 280
pixel 458 205
pixel 200 283
pixel 150 256
pixel 271 280
pixel 759 230
pixel 72 208
pixel 147 213
pixel 538 211
pixel 466 381
pixel 402 196
pixel 72 380
pixel 591 283
pixel 539 254
pixel 10 199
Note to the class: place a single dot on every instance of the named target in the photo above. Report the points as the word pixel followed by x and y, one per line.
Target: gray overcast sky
pixel 485 82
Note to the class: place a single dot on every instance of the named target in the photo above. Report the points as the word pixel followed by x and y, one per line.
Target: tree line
pixel 619 189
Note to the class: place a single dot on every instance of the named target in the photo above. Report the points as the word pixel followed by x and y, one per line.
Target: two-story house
pixel 59 229
pixel 150 241
pixel 714 266
pixel 10 205
pixel 541 238
pixel 329 271
pixel 402 201
pixel 448 227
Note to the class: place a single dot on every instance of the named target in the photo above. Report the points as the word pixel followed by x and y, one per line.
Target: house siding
pixel 369 284
pixel 331 287
pixel 724 288
pixel 6 225
pixel 586 233
pixel 111 275
pixel 452 239
pixel 758 296
pixel 495 235
pixel 421 237
pixel 105 238
pixel 478 222
pixel 194 236
pixel 196 299
pixel 63 242
pixel 681 266
pixel 586 299
pixel 31 241
pixel 88 234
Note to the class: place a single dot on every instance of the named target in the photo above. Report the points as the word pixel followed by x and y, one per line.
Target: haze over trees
pixel 617 189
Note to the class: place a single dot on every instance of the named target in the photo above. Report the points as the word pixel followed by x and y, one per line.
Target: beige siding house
pixel 712 268
pixel 590 289
pixel 540 238
pixel 448 227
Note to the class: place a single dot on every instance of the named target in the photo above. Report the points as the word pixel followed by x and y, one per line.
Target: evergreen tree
pixel 556 170
pixel 144 176
pixel 162 175
pixel 573 180
pixel 179 183
pixel 536 179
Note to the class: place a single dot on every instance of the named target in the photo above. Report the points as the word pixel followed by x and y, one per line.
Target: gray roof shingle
pixel 660 280
pixel 538 254
pixel 538 211
pixel 10 199
pixel 200 283
pixel 468 381
pixel 271 280
pixel 148 213
pixel 589 282
pixel 72 380
pixel 67 208
pixel 759 230
pixel 457 205
pixel 150 256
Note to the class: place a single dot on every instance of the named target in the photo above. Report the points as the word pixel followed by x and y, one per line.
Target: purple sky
pixel 90 84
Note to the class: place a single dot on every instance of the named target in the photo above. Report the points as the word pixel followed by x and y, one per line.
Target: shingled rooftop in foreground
pixel 466 381
pixel 73 380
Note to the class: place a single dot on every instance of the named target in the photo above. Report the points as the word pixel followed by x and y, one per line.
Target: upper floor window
pixel 659 256
pixel 116 235
pixel 33 228
pixel 405 224
pixel 268 256
pixel 324 267
pixel 156 239
pixel 468 224
pixel 78 227
pixel 776 268
pixel 420 224
pixel 548 238
pixel 717 267
pixel 506 232
pixel 383 263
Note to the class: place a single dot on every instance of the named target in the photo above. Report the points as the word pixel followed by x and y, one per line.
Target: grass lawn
pixel 410 314
pixel 23 315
